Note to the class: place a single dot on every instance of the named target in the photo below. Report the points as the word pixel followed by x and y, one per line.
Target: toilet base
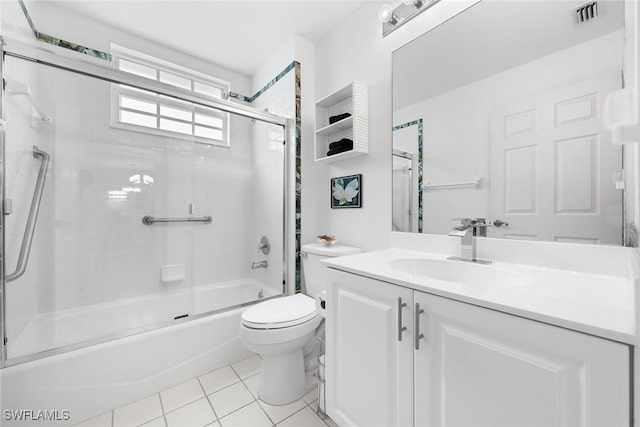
pixel 283 378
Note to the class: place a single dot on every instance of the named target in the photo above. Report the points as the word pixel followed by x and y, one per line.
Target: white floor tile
pixel 279 413
pixel 180 395
pixel 195 414
pixel 249 416
pixel 304 418
pixel 252 384
pixel 158 422
pixel 247 367
pixel 219 379
pixel 103 420
pixel 139 412
pixel 230 399
pixel 314 405
pixel 311 396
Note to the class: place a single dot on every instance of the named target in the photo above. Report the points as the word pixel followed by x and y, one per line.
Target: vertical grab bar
pixel 27 238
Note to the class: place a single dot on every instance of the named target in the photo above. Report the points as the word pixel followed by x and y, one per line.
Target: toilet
pixel 284 331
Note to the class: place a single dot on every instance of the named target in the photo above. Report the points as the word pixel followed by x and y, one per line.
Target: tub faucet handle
pixel 264 246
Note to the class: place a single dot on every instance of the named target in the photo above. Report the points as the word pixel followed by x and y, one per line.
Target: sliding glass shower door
pixel 111 228
pixel 93 269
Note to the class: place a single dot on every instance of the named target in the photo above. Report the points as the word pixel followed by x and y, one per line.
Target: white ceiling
pixel 239 35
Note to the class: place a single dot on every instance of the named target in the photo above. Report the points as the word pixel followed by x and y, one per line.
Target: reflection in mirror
pixel 511 97
pixel 407 177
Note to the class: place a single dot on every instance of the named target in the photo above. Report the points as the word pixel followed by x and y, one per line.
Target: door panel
pixel 553 166
pixel 369 371
pixel 478 367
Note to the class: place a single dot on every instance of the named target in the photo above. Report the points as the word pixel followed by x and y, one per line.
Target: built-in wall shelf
pixel 336 127
pixel 352 99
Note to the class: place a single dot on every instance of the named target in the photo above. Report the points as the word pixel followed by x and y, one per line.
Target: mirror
pixel 498 114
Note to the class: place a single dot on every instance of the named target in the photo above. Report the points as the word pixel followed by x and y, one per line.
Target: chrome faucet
pixel 468 231
pixel 259 264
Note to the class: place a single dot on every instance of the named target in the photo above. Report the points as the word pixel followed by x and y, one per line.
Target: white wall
pixel 355 50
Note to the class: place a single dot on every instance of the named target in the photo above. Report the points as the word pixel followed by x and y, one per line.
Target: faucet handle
pixel 471 222
pixel 481 222
pixel 464 222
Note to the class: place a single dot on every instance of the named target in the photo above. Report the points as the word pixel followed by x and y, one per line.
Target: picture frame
pixel 346 192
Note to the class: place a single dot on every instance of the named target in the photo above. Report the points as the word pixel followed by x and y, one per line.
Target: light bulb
pixel 385 13
pixel 417 3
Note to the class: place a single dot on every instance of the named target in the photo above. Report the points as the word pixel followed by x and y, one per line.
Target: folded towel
pixel 338 117
pixel 344 142
pixel 338 150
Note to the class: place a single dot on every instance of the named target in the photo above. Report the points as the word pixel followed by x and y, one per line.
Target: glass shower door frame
pixel 51 56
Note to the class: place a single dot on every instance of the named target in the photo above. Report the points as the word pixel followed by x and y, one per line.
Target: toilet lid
pixel 280 312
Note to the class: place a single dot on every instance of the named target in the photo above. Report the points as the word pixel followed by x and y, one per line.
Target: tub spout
pixel 259 264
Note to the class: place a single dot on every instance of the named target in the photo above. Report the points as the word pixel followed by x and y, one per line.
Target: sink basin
pixel 457 271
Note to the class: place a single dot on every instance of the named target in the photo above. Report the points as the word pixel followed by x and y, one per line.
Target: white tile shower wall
pixel 355 50
pixel 21 165
pixel 465 153
pixel 94 246
pixel 268 183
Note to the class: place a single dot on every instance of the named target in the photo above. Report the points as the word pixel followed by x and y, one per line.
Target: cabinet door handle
pixel 401 328
pixel 416 326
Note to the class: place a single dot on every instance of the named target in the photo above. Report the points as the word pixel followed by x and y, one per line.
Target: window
pixel 149 112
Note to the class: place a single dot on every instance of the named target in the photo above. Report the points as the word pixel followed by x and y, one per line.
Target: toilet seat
pixel 280 313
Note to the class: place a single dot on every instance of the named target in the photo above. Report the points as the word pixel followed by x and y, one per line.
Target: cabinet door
pixel 479 367
pixel 369 371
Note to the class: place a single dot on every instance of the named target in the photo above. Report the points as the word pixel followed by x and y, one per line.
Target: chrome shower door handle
pixel 401 328
pixel 416 326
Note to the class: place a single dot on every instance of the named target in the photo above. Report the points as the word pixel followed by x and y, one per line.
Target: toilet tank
pixel 312 254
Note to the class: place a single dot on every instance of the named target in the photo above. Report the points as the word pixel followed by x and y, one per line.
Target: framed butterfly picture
pixel 346 192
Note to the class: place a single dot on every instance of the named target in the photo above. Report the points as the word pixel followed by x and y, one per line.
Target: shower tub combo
pixel 127 255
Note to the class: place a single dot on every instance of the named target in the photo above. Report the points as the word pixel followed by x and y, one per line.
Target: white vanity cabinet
pixel 371 377
pixel 472 367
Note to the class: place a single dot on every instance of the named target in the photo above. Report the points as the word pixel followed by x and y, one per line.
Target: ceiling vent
pixel 586 12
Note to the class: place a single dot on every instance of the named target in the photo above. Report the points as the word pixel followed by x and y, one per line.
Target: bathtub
pixel 91 380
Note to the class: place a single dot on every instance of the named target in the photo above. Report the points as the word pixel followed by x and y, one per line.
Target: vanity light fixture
pixel 392 19
pixel 386 15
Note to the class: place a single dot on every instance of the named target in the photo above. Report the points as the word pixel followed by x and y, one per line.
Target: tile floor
pixel 226 397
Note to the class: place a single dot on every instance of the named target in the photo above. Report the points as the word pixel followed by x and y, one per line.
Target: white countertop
pixel 597 304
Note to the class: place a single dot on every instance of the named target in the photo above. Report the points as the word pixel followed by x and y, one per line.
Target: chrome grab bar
pixel 148 219
pixel 27 238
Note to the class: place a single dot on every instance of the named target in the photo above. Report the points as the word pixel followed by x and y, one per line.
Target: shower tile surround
pixel 224 397
pixel 276 109
pixel 91 159
pixel 134 254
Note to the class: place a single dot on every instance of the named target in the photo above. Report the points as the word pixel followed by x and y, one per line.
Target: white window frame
pixel 159 65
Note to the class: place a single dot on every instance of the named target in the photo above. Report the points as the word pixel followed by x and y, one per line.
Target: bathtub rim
pixel 128 333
